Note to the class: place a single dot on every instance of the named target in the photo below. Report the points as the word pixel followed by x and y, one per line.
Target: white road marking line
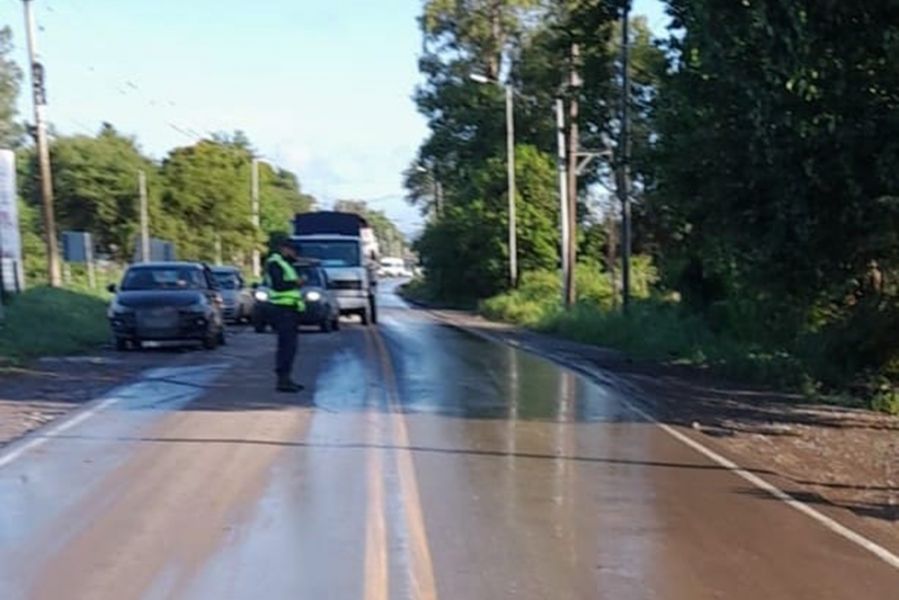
pixel 43 435
pixel 833 525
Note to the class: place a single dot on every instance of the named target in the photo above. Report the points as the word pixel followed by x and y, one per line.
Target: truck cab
pixel 344 245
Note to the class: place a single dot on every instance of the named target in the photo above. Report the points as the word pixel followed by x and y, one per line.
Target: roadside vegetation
pixel 48 322
pixel 765 169
pixel 662 329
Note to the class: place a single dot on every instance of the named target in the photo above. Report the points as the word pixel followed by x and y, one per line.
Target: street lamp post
pixel 431 172
pixel 510 173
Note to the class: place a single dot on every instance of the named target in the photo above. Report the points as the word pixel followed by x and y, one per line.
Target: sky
pixel 321 87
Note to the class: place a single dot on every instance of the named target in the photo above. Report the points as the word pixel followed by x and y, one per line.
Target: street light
pixel 438 187
pixel 510 164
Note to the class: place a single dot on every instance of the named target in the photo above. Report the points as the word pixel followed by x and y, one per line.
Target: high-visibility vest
pixel 291 298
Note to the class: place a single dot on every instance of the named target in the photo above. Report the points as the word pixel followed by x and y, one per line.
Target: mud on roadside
pixel 49 388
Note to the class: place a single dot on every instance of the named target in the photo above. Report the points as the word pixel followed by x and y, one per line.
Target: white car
pixel 392 267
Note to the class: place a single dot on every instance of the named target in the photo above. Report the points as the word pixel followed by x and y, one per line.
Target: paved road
pixel 423 462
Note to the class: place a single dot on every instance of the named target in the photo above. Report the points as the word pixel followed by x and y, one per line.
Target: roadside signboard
pixel 77 247
pixel 11 271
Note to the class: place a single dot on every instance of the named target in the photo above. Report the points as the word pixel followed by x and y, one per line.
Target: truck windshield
pixel 331 253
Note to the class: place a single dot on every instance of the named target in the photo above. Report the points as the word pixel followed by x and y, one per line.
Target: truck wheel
pixel 363 314
pixel 373 312
pixel 335 324
pixel 122 344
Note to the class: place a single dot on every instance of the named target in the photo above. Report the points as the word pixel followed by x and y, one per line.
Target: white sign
pixel 10 238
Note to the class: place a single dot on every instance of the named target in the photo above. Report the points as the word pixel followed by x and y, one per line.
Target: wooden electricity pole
pixel 39 95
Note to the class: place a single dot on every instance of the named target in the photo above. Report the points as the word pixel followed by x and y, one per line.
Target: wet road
pixel 423 462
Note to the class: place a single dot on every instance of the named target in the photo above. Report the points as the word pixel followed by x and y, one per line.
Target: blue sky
pixel 322 87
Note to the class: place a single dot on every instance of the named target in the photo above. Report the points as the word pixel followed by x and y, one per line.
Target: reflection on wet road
pixel 423 462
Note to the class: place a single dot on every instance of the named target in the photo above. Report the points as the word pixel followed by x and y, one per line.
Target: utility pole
pixel 611 248
pixel 561 165
pixel 39 95
pixel 144 217
pixel 254 198
pixel 574 84
pixel 218 249
pixel 623 160
pixel 510 166
pixel 491 78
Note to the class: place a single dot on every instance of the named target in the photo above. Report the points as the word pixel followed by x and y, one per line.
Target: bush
pixel 45 321
pixel 739 338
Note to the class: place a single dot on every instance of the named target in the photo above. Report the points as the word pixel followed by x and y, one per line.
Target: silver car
pixel 237 296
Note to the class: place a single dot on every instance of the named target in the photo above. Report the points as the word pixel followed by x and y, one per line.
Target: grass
pixel 51 322
pixel 662 330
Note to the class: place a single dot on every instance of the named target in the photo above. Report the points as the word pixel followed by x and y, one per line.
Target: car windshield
pixel 331 253
pixel 163 278
pixel 311 276
pixel 227 280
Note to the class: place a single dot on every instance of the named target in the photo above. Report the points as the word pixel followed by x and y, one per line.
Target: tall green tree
pixel 280 199
pixel 95 182
pixel 777 178
pixel 207 191
pixel 526 45
pixel 10 81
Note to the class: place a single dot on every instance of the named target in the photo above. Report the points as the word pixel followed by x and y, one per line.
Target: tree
pixel 776 167
pixel 391 240
pixel 280 199
pixel 466 150
pixel 10 80
pixel 95 180
pixel 207 191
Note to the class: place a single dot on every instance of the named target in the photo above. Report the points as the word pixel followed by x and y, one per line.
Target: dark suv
pixel 167 302
pixel 321 310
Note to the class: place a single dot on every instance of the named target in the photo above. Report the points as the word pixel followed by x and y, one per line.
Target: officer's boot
pixel 287 385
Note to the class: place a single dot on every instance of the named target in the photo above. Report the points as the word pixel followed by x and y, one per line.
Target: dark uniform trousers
pixel 285 321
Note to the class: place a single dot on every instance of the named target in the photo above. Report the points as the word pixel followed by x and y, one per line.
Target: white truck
pixel 345 246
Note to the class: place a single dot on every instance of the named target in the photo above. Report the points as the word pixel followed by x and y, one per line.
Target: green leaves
pixel 199 194
pixel 777 140
pixel 10 81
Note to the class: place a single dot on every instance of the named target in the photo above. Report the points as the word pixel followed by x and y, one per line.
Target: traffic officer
pixel 285 305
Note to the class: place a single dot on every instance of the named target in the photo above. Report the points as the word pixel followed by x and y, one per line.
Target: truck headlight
pixel 313 296
pixel 261 295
